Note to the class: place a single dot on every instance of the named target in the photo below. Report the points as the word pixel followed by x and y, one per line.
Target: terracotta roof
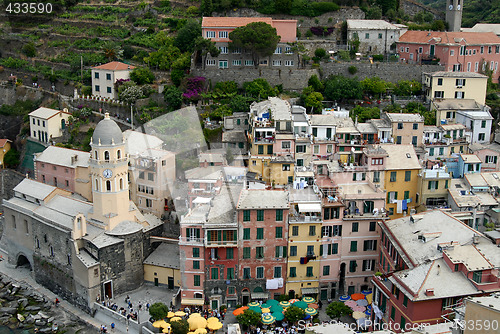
pixel 114 66
pixel 471 38
pixel 230 22
pixel 3 142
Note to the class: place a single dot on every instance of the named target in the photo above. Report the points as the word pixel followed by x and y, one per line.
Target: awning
pixel 309 207
pixel 308 291
pixel 192 301
pixel 202 200
pixel 260 295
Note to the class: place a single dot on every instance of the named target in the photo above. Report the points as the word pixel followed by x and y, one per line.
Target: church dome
pixel 107 132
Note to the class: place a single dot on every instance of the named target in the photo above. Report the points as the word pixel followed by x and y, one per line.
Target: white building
pixel 47 123
pixel 105 76
pixel 479 122
pixel 375 36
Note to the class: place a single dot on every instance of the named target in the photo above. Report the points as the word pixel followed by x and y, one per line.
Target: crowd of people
pixel 129 312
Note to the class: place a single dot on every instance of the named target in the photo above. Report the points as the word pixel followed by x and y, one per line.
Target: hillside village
pixel 267 170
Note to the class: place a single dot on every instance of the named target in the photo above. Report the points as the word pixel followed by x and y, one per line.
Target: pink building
pixel 64 168
pixel 203 182
pixel 456 51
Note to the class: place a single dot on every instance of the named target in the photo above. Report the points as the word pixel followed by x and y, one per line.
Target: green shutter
pixel 320 250
pixel 445 184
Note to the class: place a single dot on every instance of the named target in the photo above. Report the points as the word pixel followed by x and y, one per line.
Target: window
pixel 489 49
pixel 373 226
pixel 368 265
pixel 288 62
pixel 246 252
pixel 276 62
pixel 260 149
pixel 196 264
pixel 316 149
pixel 229 254
pixel 420 50
pixel 355 227
pixel 329 148
pixel 210 62
pixel 288 50
pixel 400 126
pixel 452 52
pixel 309 272
pixel 407 50
pixel 491 159
pixel 376 176
pixel 380 36
pixel 237 62
pixel 259 252
pixel 246 234
pixel 293 250
pixel 481 137
pixel 354 246
pixel 285 167
pixel 460 95
pixel 408 175
pixel 367 35
pixel 393 176
pixel 439 94
pixel 476 66
pixel 326 270
pixel 279 215
pixel 108 184
pixel 398 140
pixel 260 233
pixel 260 215
pixel 483 124
pixel 249 63
pixel 246 273
pixel 197 281
pixel 459 82
pixel 214 273
pixel 310 250
pixel 237 51
pixel 222 34
pixel 279 232
pixel 403 322
pixel 280 251
pixel 260 272
pixel 277 272
pixel 230 274
pixel 278 50
pixel 369 245
pixel 269 149
pixel 108 90
pixel 300 148
pixel 293 272
pixel 223 64
pixel 246 215
pixel 393 312
pixel 210 34
pixel 352 266
pixel 405 301
pixel 196 252
pixel 223 50
pixel 295 231
pixel 97 88
pixel 312 230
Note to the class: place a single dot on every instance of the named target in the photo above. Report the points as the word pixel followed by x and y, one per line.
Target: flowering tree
pixel 194 86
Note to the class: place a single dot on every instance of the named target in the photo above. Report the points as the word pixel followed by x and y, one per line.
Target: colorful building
pixel 46 123
pixel 406 128
pixel 455 85
pixel 4 148
pixel 104 78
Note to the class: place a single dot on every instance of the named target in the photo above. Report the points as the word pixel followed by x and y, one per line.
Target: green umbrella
pixel 279 316
pixel 265 305
pixel 285 303
pixel 267 319
pixel 253 304
pixel 272 302
pixel 276 309
pixel 311 311
pixel 256 309
pixel 308 300
pixel 301 304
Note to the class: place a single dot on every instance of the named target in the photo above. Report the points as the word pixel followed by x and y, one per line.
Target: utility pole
pixel 131 117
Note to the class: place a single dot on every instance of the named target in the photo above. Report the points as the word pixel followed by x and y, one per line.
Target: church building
pixel 80 250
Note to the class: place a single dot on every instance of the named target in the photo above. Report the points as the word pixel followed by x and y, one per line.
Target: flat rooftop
pixel 263 199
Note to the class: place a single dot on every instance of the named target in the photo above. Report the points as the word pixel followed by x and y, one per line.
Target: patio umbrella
pixel 253 304
pixel 350 303
pixel 238 311
pixel 308 300
pixel 307 317
pixel 311 311
pixel 362 302
pixel 196 322
pixel 278 316
pixel 214 325
pixel 266 310
pixel 293 301
pixel 357 296
pixel 265 305
pixel 170 314
pixel 366 292
pixel 358 315
pixel 344 298
pixel 301 304
pixel 256 309
pixel 272 302
pixel 276 309
pixel 358 308
pixel 368 313
pixel 285 304
pixel 175 319
pixel 200 331
pixel 369 298
pixel 267 319
pixel 212 319
pixel 180 313
pixel 166 330
pixel 159 323
pixel 314 306
pixel 194 315
pixel 363 322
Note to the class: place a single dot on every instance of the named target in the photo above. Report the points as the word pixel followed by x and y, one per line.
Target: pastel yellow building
pixel 4 148
pixel 161 269
pixel 304 243
pixel 47 123
pixel 455 85
pixel 433 188
pixel 401 179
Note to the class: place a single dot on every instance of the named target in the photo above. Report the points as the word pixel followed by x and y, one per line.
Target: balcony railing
pixel 191 240
pixel 221 243
pixel 300 218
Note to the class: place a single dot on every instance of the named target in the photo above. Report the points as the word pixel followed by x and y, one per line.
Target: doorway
pixel 342 278
pixel 22 261
pixel 170 282
pixel 156 281
pixel 214 304
pixel 291 294
pixel 108 289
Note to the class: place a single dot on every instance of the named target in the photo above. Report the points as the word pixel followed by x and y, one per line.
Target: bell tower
pixel 454 14
pixel 109 175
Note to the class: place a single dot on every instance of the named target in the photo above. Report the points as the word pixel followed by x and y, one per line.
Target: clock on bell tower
pixel 109 175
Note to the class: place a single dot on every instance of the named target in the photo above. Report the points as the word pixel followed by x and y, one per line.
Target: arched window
pixel 106 155
pixel 96 184
pixel 119 154
pixel 96 155
pixel 198 295
pixel 108 185
pixel 121 184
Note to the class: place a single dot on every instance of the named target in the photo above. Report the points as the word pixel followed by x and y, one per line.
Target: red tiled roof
pixel 3 142
pixel 423 37
pixel 114 66
pixel 232 22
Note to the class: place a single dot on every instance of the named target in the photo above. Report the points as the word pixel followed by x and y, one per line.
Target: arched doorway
pixel 245 296
pixel 23 262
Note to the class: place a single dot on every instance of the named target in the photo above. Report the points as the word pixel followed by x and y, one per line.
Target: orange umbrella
pixel 239 311
pixel 314 306
pixel 357 296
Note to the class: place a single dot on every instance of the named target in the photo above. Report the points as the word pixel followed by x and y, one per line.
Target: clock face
pixel 107 173
pixel 451 7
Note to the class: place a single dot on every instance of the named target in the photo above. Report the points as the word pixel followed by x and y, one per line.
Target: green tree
pixel 207 7
pixel 180 327
pixel 142 76
pixel 248 318
pixel 320 53
pixel 131 94
pixel 158 311
pixel 315 83
pixel 186 36
pixel 11 158
pixel 407 88
pixel 373 13
pixel 438 25
pixel 294 314
pixel 374 85
pixel 387 4
pixel 29 49
pixel 205 47
pixel 259 38
pixel 228 87
pixel 239 103
pixel 283 6
pixel 337 309
pixel 259 88
pixel 364 114
pixel 314 101
pixel 173 97
pixel 339 88
pixel 112 50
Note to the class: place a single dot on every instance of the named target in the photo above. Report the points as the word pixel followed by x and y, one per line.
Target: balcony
pixel 221 243
pixel 263 140
pixel 191 241
pixel 301 218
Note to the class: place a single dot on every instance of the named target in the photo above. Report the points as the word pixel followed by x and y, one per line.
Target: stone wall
pixel 412 7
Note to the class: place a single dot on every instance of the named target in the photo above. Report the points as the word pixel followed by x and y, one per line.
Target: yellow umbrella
pixel 170 314
pixel 196 322
pixel 159 323
pixel 214 325
pixel 176 319
pixel 200 331
pixel 180 313
pixel 358 315
pixel 369 298
pixel 166 330
pixel 195 315
pixel 212 319
pixel 266 310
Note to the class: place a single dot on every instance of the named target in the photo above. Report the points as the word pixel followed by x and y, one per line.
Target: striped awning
pixel 307 291
pixel 260 295
pixel 192 301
